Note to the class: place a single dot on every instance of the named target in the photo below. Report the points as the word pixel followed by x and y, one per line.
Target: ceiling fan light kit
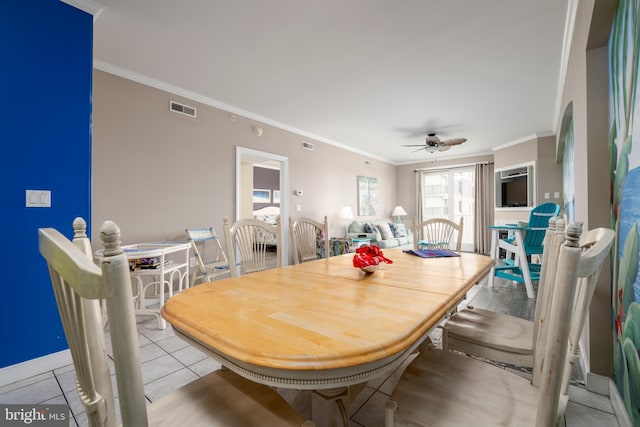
pixel 434 144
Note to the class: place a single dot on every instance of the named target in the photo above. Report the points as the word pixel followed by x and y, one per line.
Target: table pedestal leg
pixel 329 408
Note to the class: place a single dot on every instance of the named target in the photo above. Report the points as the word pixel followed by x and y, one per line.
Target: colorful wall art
pixel 624 64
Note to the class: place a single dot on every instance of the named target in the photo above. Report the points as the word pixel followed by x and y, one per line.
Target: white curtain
pixel 483 207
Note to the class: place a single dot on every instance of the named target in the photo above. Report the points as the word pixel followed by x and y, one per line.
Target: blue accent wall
pixel 45 129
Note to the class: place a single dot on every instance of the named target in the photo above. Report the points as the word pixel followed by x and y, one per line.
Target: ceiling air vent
pixel 308 146
pixel 182 109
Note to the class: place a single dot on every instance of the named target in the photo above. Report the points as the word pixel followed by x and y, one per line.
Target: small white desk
pixel 172 267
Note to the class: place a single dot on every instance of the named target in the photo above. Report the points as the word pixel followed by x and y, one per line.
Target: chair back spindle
pixel 555 236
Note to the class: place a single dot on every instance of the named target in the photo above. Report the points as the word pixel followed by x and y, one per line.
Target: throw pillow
pixel 385 231
pixel 401 230
pixel 370 228
pixel 357 227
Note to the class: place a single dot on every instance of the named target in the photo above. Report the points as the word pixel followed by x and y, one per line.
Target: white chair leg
pixel 494 255
pixel 521 258
pixel 389 413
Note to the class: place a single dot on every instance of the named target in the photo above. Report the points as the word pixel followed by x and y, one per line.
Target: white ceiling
pixel 366 74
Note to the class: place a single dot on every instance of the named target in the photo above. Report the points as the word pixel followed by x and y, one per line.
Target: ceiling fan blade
pixel 444 148
pixel 415 151
pixel 414 145
pixel 453 141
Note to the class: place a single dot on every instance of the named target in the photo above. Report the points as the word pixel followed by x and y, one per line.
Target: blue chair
pixel 525 240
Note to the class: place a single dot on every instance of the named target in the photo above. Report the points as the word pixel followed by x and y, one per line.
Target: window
pixel 450 194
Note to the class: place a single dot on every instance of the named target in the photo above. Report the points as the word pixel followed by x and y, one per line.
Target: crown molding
pixel 569 27
pixel 90 6
pixel 515 142
pixel 157 84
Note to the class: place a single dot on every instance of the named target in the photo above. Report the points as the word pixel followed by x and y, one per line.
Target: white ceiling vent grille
pixel 182 109
pixel 308 146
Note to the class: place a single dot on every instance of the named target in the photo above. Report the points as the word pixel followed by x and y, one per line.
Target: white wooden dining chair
pixel 499 336
pixel 450 389
pixel 437 233
pixel 248 238
pixel 509 339
pixel 309 238
pixel 204 241
pixel 220 398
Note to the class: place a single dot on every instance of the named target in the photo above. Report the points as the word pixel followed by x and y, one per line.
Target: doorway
pixel 246 159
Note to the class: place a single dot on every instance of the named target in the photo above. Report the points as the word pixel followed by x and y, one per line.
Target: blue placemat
pixel 432 253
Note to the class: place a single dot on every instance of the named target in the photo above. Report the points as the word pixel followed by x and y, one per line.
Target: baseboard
pixel 606 387
pixel 594 382
pixel 598 383
pixel 618 405
pixel 30 368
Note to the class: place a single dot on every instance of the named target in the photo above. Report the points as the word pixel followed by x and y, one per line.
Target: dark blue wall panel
pixel 45 129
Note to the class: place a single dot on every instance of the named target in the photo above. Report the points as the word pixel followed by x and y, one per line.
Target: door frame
pixel 251 155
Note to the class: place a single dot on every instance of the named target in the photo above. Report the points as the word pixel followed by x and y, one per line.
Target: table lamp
pixel 347 215
pixel 398 211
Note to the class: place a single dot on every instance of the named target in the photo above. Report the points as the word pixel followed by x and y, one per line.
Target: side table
pixel 156 265
pixel 360 241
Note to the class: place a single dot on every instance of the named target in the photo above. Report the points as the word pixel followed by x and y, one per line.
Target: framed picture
pixel 276 196
pixel 261 196
pixel 367 196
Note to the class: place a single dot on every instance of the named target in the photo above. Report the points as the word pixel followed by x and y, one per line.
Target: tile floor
pixel 168 362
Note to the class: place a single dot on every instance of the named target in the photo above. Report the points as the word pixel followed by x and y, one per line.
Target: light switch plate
pixel 38 198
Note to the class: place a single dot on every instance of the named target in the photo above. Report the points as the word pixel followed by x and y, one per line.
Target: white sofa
pixel 383 233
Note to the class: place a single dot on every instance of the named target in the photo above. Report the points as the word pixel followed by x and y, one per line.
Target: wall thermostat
pixel 298 192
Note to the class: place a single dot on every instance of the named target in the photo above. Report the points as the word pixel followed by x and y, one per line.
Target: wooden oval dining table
pixel 323 325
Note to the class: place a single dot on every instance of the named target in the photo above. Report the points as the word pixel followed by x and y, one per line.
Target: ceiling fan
pixel 433 143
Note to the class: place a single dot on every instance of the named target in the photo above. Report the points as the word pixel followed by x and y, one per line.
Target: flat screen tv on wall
pixel 514 192
pixel 515 187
